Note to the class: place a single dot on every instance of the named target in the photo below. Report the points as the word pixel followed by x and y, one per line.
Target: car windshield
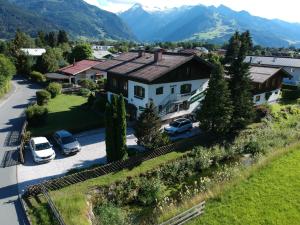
pixel 42 146
pixel 174 124
pixel 68 139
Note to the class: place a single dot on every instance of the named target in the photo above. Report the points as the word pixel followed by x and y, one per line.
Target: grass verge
pixel 71 201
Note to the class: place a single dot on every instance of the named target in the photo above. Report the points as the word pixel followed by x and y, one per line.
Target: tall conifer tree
pixel 122 126
pixel 216 112
pixel 240 83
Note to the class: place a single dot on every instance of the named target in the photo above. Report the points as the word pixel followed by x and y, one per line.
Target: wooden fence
pixel 187 215
pixel 58 183
pixel 23 142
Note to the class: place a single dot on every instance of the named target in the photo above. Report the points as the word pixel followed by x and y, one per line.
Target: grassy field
pixel 270 196
pixel 68 112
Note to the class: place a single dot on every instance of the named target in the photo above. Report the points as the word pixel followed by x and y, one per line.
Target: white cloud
pixel 286 10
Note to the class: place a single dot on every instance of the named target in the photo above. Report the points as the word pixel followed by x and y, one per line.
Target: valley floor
pixel 269 196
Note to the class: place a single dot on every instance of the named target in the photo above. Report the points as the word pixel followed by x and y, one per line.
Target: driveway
pixel 93 152
pixel 11 119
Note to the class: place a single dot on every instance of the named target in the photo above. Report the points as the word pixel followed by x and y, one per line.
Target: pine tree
pixel 240 85
pixel 147 129
pixel 122 126
pixel 216 112
pixel 109 133
pixel 62 37
pixel 233 48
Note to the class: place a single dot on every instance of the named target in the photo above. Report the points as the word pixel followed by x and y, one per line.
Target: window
pixel 114 83
pixel 257 98
pixel 159 91
pixel 125 86
pixel 139 92
pixel 185 88
pixel 188 71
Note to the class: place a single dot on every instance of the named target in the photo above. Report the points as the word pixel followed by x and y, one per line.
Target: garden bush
pixel 36 115
pixel 150 191
pixel 37 77
pixel 88 84
pixel 42 97
pixel 108 214
pixel 254 148
pixel 54 89
pixel 84 92
pixel 91 99
pixel 262 111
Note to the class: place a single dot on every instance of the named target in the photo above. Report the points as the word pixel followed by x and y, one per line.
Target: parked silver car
pixel 66 142
pixel 179 126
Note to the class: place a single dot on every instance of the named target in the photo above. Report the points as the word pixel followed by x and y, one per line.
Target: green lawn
pixel 68 112
pixel 270 196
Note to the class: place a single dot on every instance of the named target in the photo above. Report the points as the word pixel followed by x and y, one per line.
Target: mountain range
pixel 78 18
pixel 208 23
pixel 194 23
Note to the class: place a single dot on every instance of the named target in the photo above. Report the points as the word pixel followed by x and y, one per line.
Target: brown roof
pixel 78 67
pixel 261 74
pixel 144 68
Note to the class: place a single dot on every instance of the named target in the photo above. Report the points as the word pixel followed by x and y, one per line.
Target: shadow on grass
pixel 75 120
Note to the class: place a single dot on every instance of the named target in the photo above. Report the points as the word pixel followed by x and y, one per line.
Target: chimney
pixel 141 51
pixel 158 52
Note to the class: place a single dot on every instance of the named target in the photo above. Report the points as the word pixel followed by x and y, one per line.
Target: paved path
pixel 11 109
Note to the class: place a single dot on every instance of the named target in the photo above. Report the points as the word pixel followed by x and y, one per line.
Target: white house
pixel 290 65
pixel 175 83
pixel 35 52
pixel 80 71
pixel 267 83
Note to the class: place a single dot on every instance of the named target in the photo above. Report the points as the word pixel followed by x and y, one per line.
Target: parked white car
pixel 179 126
pixel 41 150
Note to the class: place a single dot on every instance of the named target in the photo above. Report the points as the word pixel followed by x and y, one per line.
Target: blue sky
pixel 288 10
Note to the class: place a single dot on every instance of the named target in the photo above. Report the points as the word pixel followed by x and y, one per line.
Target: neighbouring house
pixel 175 83
pixel 267 83
pixel 82 70
pixel 102 47
pixel 290 65
pixel 34 52
pixel 191 51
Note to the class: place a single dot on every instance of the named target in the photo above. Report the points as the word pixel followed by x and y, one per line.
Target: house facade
pixel 267 82
pixel 290 65
pixel 81 70
pixel 175 83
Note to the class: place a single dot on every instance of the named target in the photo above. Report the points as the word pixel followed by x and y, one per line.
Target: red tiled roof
pixel 79 67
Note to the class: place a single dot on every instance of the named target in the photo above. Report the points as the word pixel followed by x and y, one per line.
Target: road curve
pixel 11 119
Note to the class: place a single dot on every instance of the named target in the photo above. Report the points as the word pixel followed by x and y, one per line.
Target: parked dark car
pixel 66 142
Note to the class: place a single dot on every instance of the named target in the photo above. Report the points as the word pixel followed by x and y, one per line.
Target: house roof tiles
pixel 79 67
pixel 143 67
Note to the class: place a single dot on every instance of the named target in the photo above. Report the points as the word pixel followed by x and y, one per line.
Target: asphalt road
pixel 11 119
